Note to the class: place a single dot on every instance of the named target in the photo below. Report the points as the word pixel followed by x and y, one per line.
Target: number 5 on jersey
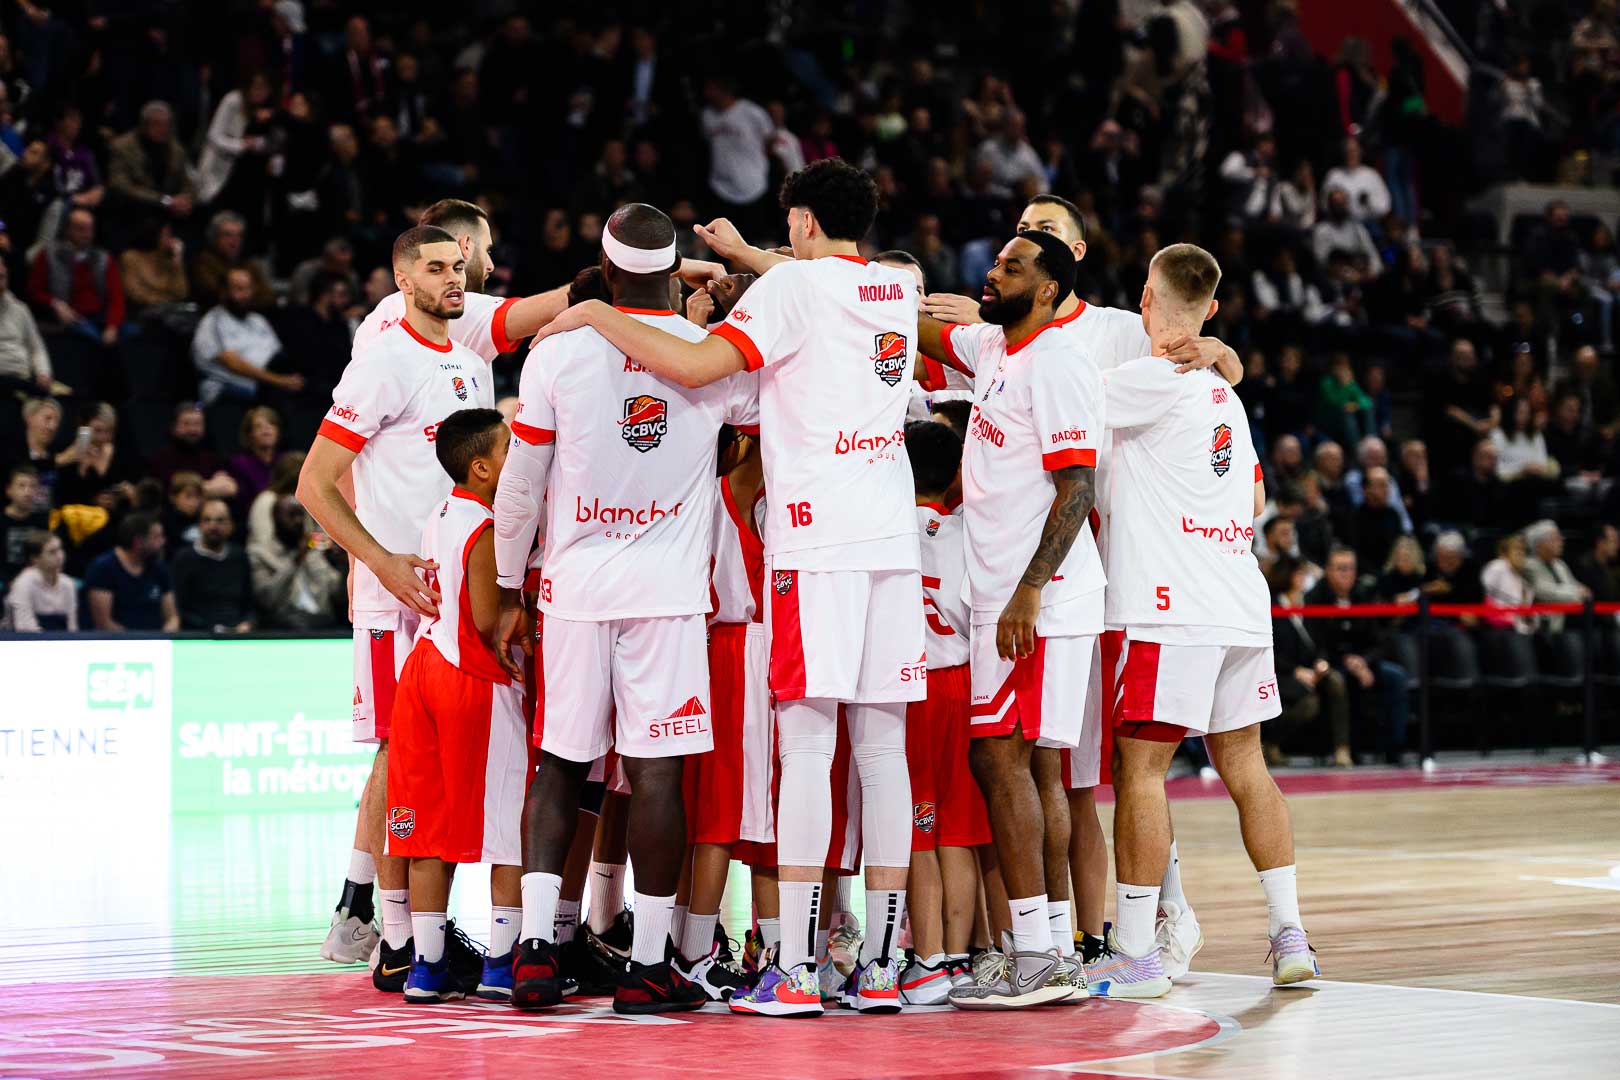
pixel 1163 593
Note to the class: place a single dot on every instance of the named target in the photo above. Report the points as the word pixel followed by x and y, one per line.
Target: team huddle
pixel 823 573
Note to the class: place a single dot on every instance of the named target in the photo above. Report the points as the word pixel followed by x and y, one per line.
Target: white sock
pixel 1282 898
pixel 396 909
pixel 697 938
pixel 540 895
pixel 801 908
pixel 842 893
pixel 607 895
pixel 770 932
pixel 362 867
pixel 1030 929
pixel 1138 907
pixel 503 929
pixel 821 944
pixel 653 916
pixel 566 921
pixel 428 929
pixel 677 923
pixel 932 961
pixel 884 910
pixel 1057 916
pixel 1171 890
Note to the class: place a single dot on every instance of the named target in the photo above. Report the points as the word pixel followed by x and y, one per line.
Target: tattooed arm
pixel 1076 492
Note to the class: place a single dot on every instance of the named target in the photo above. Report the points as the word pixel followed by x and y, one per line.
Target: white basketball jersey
pixel 481 327
pixel 944 574
pixel 448 540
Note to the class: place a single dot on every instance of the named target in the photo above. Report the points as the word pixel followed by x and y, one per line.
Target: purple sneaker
pixel 1292 958
pixel 781 993
pixel 1115 975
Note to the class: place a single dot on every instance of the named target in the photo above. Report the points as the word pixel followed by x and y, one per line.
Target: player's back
pixel 447 539
pixel 833 338
pixel 631 496
pixel 944 571
pixel 1181 494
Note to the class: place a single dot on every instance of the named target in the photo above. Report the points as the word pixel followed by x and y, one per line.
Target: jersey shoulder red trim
pixel 731 332
pixel 497 327
pixel 1066 459
pixel 952 357
pixel 341 435
pixel 534 436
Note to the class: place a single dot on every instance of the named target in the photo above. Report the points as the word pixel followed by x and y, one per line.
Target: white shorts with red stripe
pixel 379 657
pixel 1087 765
pixel 848 635
pixel 1043 694
pixel 1206 689
pixel 636 686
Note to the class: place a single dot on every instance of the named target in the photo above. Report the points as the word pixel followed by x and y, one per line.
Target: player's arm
pixel 1076 494
pixel 1259 496
pixel 482 590
pixel 517 519
pixel 933 350
pixel 725 241
pixel 1190 353
pixel 687 363
pixel 319 493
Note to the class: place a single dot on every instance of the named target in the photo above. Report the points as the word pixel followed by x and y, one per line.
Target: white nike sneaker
pixel 348 941
pixel 926 984
pixel 1004 983
pixel 1178 936
pixel 1292 958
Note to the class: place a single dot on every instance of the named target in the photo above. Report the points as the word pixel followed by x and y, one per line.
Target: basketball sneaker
pixel 960 969
pixel 597 959
pixel 495 983
pixel 831 981
pixel 393 966
pixel 619 934
pixel 1292 958
pixel 873 987
pixel 984 962
pixel 781 993
pixel 1115 975
pixel 348 940
pixel 655 988
pixel 844 942
pixel 754 960
pixel 537 978
pixel 927 984
pixel 1071 972
pixel 430 984
pixel 1178 936
pixel 466 958
pixel 716 974
pixel 1001 982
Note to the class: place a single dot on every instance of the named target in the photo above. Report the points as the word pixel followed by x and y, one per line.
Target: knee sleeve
pixel 807 734
pixel 877 735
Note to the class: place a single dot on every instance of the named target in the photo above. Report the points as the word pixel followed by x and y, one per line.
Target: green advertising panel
pixel 261 725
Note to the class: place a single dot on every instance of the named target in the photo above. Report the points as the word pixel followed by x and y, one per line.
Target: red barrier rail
pixel 1386 611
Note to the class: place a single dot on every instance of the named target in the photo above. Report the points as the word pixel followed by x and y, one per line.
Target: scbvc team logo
pixel 1220 450
pixel 889 356
pixel 459 387
pixel 645 422
pixel 401 821
pixel 782 582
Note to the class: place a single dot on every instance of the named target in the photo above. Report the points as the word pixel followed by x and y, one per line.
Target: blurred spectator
pixel 251 466
pixel 1311 689
pixel 147 167
pixel 1287 461
pixel 1293 203
pixel 1375 524
pixel 297 582
pixel 189 451
pixel 1412 480
pixel 1360 648
pixel 1452 296
pixel 1599 569
pixel 211 268
pixel 1524 332
pixel 335 260
pixel 1316 519
pixel 78 282
pixel 1522 107
pixel 212 587
pixel 283 481
pixel 41 417
pixel 1505 585
pixel 1338 231
pixel 41 597
pixel 1570 442
pixel 73 166
pixel 231 144
pixel 1600 403
pixel 21 519
pixel 1328 461
pixel 93 462
pixel 1251 179
pixel 1549 576
pixel 180 511
pixel 27 191
pixel 1010 157
pixel 609 184
pixel 786 147
pixel 1450 578
pixel 1364 189
pixel 1457 408
pixel 1552 261
pixel 1343 409
pixel 339 189
pixel 233 349
pixel 739 134
pixel 356 80
pixel 1477 498
pixel 1402 579
pixel 1600 273
pixel 129 587
pixel 314 347
pixel 154 269
pixel 24 364
pixel 1521 450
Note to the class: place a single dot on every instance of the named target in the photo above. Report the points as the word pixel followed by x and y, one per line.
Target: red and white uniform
pixel 947 807
pixel 1183 579
pixel 832 340
pixel 629 531
pixel 844 839
pixel 458 768
pixel 481 327
pixel 728 790
pixel 1037 408
pixel 387 408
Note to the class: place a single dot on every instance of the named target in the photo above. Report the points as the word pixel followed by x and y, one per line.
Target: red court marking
pixel 1357 781
pixel 254 1027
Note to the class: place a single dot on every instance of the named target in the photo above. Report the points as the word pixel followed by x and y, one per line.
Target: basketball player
pixel 489 326
pixel 1035 585
pixel 623 596
pixel 385 412
pixel 455 792
pixel 1196 613
pixel 832 336
pixel 1111 336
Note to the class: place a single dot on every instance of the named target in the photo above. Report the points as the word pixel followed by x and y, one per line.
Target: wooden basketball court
pixel 1468 923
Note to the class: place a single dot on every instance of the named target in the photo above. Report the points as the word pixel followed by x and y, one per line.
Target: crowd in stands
pixel 196 203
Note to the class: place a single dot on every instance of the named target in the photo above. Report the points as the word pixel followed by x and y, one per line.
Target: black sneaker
pixel 725 947
pixel 717 978
pixel 619 935
pixel 466 958
pixel 655 988
pixel 393 966
pixel 537 979
pixel 595 963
